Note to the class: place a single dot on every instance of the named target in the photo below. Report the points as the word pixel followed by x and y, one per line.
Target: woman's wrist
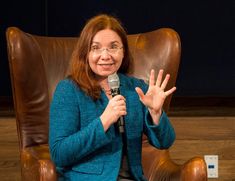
pixel 155 115
pixel 105 123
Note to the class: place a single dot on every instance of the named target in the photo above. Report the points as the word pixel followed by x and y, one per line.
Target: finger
pixel 120 103
pixel 167 93
pixel 120 107
pixel 120 110
pixel 140 93
pixel 151 78
pixel 118 97
pixel 164 83
pixel 159 78
pixel 122 113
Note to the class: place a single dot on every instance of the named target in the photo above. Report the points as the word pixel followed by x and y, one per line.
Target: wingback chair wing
pixel 38 63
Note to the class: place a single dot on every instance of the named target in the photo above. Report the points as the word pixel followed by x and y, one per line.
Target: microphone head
pixel 113 81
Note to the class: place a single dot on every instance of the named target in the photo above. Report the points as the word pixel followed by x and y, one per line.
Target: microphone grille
pixel 113 81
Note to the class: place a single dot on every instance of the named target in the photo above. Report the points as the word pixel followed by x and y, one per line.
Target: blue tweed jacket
pixel 78 144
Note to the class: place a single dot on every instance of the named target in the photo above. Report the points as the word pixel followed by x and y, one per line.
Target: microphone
pixel 114 83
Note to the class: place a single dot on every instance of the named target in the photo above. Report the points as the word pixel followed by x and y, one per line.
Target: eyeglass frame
pixel 99 51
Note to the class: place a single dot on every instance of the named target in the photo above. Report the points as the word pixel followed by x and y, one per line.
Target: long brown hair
pixel 81 72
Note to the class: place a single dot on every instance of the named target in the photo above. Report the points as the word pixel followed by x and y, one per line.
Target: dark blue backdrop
pixel 206 28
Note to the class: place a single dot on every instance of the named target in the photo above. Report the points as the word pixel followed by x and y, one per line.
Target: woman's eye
pixel 114 47
pixel 94 48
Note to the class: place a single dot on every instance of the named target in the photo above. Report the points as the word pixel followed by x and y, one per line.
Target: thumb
pixel 140 93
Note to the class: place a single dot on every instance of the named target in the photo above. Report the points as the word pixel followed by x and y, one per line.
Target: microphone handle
pixel 121 125
pixel 120 122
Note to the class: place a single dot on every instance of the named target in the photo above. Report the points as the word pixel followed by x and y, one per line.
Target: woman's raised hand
pixel 156 94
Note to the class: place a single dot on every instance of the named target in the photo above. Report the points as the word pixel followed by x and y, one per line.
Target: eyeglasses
pixel 110 50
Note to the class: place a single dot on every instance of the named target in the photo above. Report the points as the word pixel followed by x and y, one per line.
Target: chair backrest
pixel 38 63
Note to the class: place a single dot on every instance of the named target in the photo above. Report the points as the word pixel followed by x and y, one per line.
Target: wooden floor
pixel 9 153
pixel 196 136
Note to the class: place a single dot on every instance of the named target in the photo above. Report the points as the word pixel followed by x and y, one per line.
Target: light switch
pixel 212 166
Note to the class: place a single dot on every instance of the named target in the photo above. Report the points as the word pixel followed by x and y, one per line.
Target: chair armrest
pixel 195 170
pixel 158 165
pixel 37 165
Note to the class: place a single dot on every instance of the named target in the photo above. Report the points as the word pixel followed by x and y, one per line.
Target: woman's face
pixel 106 54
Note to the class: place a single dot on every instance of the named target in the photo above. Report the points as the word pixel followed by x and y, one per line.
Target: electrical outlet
pixel 212 166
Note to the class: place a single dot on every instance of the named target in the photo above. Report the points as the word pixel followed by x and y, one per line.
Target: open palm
pixel 156 94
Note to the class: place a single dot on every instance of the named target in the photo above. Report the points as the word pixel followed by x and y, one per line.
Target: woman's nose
pixel 105 54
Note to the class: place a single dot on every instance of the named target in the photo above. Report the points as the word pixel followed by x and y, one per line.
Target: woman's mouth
pixel 106 65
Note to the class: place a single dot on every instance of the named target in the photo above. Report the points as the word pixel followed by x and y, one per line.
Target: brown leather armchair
pixel 38 63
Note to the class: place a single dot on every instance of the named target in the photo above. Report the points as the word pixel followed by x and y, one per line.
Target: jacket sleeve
pixel 68 144
pixel 162 135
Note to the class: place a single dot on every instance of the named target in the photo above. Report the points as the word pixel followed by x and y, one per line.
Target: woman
pixel 84 143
